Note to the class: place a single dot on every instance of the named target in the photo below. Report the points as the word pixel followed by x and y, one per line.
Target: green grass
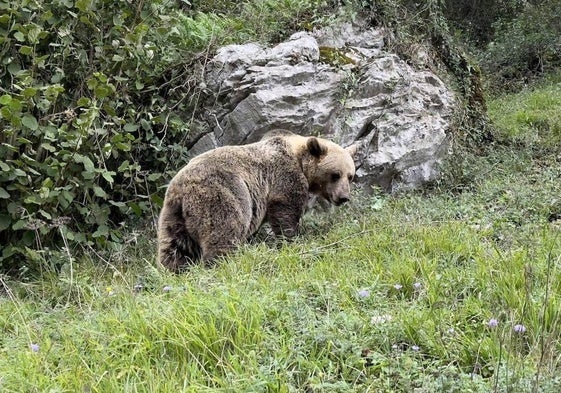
pixel 531 116
pixel 386 294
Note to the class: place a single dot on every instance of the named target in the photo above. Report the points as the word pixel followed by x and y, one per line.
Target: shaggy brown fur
pixel 222 197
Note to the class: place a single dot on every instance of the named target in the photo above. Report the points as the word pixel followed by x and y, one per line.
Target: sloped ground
pixel 454 289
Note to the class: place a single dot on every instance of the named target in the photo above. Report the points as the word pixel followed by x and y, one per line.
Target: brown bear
pixel 222 197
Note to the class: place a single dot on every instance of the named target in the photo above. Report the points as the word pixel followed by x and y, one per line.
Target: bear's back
pixel 268 155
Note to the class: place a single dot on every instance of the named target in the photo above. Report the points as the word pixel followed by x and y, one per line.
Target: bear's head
pixel 329 169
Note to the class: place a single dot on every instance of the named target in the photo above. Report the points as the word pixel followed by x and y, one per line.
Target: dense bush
pixel 79 118
pixel 515 41
pixel 526 46
pixel 476 19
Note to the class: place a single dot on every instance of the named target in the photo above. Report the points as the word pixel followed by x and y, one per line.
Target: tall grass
pixel 531 116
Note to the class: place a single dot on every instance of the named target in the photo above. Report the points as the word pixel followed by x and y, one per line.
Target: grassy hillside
pixel 455 289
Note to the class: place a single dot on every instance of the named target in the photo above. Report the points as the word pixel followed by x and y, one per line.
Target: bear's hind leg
pixel 226 208
pixel 218 246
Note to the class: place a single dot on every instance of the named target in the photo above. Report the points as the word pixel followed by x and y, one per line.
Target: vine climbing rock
pixel 343 84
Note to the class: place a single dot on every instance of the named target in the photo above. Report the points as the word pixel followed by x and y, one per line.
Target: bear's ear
pixel 315 147
pixel 352 150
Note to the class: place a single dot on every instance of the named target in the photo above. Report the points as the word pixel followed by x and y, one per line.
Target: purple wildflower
pixel 493 323
pixel 34 347
pixel 167 288
pixel 363 293
pixel 417 285
pixel 398 286
pixel 519 328
pixel 415 348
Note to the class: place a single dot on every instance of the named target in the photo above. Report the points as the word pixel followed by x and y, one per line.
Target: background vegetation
pixel 96 105
pixel 516 41
pixel 451 288
pixel 98 99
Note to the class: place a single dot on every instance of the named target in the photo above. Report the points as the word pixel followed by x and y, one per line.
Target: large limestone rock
pixel 340 83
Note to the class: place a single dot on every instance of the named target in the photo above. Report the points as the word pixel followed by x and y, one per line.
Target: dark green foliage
pixel 526 46
pixel 516 41
pixel 87 132
pixel 477 18
pixel 425 25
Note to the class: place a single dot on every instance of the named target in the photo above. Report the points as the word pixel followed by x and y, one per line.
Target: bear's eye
pixel 335 177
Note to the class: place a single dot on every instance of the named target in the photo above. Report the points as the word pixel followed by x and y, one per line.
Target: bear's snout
pixel 339 201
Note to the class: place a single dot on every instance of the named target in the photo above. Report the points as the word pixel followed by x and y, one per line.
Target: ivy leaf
pixel 4 194
pixel 30 122
pixel 102 230
pixel 18 35
pixel 29 92
pixel 154 176
pixel 20 224
pixel 33 35
pixel 5 221
pixel 48 147
pixel 84 101
pixel 45 214
pixel 26 50
pixel 5 99
pixel 88 164
pixel 82 5
pixel 14 67
pixel 130 127
pixel 108 175
pixel 98 191
pixel 102 91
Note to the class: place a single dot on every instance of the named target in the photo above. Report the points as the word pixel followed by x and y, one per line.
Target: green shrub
pixel 477 20
pixel 525 46
pixel 84 123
